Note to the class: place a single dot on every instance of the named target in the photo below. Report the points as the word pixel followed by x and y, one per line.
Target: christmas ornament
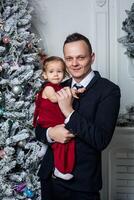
pixel 1 24
pixel 1 112
pixel 20 187
pixel 21 143
pixel 2 103
pixel 28 193
pixel 29 45
pixel 0 68
pixel 1 98
pixel 2 153
pixel 6 39
pixel 17 89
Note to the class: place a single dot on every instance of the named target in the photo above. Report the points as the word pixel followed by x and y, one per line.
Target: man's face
pixel 78 59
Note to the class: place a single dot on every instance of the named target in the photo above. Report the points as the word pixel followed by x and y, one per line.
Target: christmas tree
pixel 19 82
pixel 128 27
pixel 127 118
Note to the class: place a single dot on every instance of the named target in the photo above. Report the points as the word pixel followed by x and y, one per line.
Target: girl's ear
pixel 44 75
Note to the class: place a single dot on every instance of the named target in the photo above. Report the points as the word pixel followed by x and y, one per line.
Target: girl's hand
pixel 74 93
pixel 81 90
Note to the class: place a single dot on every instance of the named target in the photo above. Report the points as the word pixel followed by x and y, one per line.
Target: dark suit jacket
pixel 93 122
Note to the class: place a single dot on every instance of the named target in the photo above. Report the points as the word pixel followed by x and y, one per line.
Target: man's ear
pixel 93 57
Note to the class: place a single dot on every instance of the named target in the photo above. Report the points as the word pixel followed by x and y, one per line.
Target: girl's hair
pixel 57 59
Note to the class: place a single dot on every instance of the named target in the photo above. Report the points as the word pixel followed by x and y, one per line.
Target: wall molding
pixel 101 3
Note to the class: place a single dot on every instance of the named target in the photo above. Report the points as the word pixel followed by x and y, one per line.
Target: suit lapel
pixel 93 81
pixel 67 82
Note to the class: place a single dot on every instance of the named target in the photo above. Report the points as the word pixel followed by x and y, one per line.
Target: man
pixel 91 120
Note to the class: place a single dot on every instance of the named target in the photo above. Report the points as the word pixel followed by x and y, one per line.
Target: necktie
pixel 77 86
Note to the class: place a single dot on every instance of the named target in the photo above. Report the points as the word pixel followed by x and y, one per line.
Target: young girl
pixel 48 114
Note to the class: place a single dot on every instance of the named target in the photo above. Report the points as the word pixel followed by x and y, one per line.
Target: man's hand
pixel 65 99
pixel 60 134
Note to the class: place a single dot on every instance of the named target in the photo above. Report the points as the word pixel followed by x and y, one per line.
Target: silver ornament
pixel 0 68
pixel 1 112
pixel 21 143
pixel 17 89
pixel 2 98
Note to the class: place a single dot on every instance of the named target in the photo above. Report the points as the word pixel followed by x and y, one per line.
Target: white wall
pixel 101 22
pixel 60 18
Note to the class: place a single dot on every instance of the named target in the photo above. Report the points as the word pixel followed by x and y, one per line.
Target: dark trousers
pixel 51 189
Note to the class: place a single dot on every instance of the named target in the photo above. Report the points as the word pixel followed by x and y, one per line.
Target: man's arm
pixel 58 134
pixel 41 134
pixel 98 133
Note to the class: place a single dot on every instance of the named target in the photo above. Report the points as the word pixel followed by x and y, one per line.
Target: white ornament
pixel 17 89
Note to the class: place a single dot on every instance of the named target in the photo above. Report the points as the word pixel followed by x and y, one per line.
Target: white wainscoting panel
pixel 102 37
pixel 120 166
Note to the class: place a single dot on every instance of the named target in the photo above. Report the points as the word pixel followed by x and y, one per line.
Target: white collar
pixel 85 81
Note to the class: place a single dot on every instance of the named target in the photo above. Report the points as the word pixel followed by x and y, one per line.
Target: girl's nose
pixel 55 73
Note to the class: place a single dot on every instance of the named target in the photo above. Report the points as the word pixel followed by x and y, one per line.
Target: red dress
pixel 48 114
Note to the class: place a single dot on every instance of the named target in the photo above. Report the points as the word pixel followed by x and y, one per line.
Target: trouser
pixel 51 189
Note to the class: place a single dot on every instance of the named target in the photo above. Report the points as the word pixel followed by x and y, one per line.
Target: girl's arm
pixel 49 93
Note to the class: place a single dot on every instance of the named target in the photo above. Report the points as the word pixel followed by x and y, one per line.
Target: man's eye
pixel 68 59
pixel 81 58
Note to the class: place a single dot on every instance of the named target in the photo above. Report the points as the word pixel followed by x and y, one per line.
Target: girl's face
pixel 54 72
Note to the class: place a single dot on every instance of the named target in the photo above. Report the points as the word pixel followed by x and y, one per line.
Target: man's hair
pixel 77 37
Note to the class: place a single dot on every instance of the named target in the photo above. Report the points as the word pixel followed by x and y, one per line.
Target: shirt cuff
pixel 47 135
pixel 68 118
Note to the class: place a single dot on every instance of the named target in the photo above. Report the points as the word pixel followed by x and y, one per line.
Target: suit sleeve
pixel 40 134
pixel 98 133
